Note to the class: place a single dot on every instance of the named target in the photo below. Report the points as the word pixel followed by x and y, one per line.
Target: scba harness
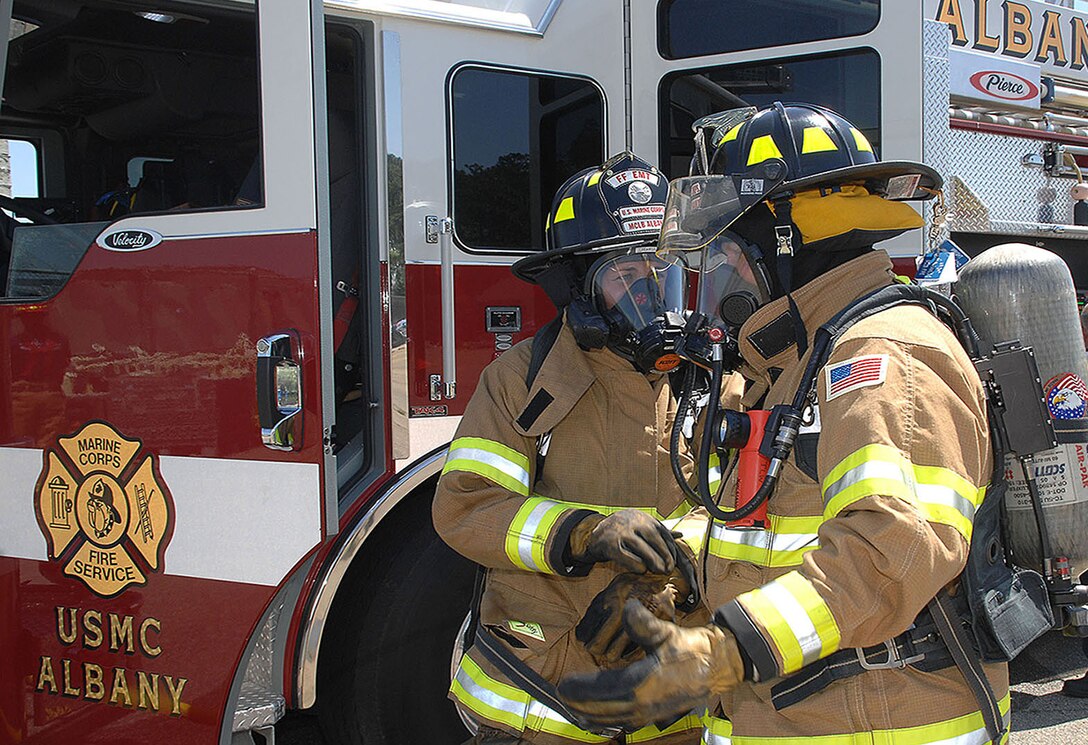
pixel 996 608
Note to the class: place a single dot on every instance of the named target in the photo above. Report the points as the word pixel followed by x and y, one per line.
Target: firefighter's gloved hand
pixel 667 597
pixel 601 629
pixel 682 670
pixel 633 540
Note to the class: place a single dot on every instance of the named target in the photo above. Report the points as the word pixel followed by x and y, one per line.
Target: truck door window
pixel 695 28
pixel 19 172
pixel 847 82
pixel 133 109
pixel 516 138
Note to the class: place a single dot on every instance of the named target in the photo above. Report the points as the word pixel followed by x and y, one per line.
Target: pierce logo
pixel 128 239
pixel 1004 85
pixel 104 509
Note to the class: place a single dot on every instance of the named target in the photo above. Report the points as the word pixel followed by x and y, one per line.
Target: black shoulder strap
pixel 543 341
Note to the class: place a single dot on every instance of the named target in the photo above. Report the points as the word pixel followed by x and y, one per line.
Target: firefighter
pixel 829 620
pixel 559 477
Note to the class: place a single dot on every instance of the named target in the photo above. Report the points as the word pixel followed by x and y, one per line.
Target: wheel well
pixel 390 634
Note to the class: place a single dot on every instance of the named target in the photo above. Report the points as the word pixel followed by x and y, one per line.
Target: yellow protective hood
pixel 849 217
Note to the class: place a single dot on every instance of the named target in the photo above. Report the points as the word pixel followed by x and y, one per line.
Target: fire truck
pixel 254 256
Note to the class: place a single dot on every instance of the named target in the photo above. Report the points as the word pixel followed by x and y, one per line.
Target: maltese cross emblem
pixel 104 509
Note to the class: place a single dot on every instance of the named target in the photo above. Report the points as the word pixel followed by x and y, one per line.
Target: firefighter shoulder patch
pixel 859 372
pixel 104 509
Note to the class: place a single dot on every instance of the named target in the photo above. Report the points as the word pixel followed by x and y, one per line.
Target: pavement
pixel 1041 715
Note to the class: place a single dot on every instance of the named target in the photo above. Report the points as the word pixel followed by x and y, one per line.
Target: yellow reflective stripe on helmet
pixel 784 543
pixel 565 211
pixel 763 148
pixel 730 135
pixel 941 495
pixel 497 701
pixel 798 620
pixel 964 730
pixel 594 178
pixel 817 140
pixel 527 536
pixel 862 142
pixel 494 461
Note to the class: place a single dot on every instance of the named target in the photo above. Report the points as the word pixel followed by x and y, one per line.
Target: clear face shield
pixel 698 214
pixel 641 297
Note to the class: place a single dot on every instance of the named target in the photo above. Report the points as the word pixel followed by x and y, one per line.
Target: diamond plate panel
pixel 260 668
pixel 994 192
pixel 936 141
pixel 257 707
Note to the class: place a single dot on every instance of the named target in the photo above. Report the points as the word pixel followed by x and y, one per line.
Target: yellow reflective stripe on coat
pixel 647 734
pixel 783 544
pixel 965 730
pixel 527 536
pixel 943 496
pixel 610 509
pixel 714 466
pixel 798 620
pixel 717 731
pixel 494 461
pixel 501 702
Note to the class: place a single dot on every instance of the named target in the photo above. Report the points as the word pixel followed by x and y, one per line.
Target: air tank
pixel 1021 292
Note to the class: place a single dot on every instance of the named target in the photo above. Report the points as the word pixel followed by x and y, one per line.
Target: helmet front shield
pixel 700 208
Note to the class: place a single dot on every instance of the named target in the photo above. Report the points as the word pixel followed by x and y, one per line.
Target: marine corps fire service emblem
pixel 104 509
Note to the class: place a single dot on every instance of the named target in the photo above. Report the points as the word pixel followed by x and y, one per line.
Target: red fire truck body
pixel 254 256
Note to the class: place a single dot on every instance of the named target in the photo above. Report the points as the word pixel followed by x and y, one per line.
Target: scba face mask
pixel 733 281
pixel 641 298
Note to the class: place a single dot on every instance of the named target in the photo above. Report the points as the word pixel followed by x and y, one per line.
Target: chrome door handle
pixel 279 390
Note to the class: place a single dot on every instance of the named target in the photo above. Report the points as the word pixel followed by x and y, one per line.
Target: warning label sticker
pixel 1061 475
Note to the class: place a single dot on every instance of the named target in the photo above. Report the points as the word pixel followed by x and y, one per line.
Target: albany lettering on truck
pixel 254 256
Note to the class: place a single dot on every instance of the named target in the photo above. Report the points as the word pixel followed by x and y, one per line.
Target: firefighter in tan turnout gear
pixel 559 477
pixel 826 629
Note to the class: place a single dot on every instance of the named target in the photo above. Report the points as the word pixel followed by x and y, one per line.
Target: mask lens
pixel 640 287
pixel 729 288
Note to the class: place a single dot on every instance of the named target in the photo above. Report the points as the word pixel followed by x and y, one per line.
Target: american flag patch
pixel 859 372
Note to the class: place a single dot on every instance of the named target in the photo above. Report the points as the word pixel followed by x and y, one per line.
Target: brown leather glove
pixel 632 539
pixel 683 668
pixel 601 629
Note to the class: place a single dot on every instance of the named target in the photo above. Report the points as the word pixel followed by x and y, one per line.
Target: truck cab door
pixel 166 326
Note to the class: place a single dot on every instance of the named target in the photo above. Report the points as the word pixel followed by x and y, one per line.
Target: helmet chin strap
pixel 783 233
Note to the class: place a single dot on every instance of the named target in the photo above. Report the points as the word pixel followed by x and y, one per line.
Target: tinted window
pixel 118 107
pixel 693 28
pixel 848 83
pixel 516 139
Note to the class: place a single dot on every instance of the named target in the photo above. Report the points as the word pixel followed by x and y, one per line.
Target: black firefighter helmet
pixel 835 201
pixel 600 264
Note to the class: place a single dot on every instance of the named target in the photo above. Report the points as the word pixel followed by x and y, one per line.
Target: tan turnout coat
pixel 851 556
pixel 608 450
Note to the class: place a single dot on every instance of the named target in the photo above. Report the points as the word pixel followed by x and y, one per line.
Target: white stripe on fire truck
pixel 235 520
